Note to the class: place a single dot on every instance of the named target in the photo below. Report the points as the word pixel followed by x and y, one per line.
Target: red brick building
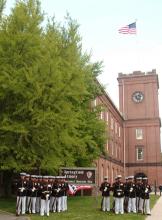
pixel 133 131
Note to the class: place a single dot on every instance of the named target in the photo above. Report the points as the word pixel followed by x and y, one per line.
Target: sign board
pixel 79 175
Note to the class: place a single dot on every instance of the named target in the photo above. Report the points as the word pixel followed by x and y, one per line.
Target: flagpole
pixel 138 60
pixel 123 126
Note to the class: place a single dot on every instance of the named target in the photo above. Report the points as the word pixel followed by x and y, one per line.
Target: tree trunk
pixel 7 180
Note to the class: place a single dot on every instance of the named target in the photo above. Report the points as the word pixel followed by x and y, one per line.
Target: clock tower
pixel 138 103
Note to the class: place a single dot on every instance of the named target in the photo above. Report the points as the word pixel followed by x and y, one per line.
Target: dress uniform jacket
pixel 145 191
pixel 28 188
pixel 39 189
pixel 46 192
pixel 118 189
pixel 65 188
pixel 105 189
pixel 21 188
pixel 59 190
pixel 132 190
pixel 34 190
pixel 54 190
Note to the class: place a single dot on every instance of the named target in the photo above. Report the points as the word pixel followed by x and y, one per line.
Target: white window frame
pixel 112 175
pixel 139 134
pixel 119 131
pixel 138 153
pixel 116 128
pixel 112 123
pixel 116 151
pixel 107 145
pixel 102 115
pixel 102 172
pixel 107 171
pixel 112 148
pixel 107 117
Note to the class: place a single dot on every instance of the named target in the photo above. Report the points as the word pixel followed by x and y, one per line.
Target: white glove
pixel 105 189
pixel 131 189
pixel 22 189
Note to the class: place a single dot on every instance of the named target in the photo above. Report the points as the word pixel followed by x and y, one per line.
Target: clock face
pixel 137 96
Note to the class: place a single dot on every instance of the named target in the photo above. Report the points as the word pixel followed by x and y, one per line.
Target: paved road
pixel 8 216
pixel 156 212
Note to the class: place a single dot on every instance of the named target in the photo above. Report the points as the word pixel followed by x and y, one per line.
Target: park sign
pixel 79 175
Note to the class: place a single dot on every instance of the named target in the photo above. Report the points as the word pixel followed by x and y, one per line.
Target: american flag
pixel 128 29
pixel 74 188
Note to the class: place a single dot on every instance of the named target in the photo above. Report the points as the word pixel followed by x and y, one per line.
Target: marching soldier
pixel 131 195
pixel 65 188
pixel 28 192
pixel 126 194
pixel 145 196
pixel 33 194
pixel 113 203
pixel 118 189
pixel 138 194
pixel 21 195
pixel 39 191
pixel 105 189
pixel 59 194
pixel 45 197
pixel 53 198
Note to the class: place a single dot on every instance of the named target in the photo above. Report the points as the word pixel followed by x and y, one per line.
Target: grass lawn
pixel 79 208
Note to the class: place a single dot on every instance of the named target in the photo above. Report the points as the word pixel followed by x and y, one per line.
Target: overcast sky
pixel 99 23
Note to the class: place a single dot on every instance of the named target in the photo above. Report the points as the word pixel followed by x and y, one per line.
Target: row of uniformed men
pixel 129 196
pixel 41 194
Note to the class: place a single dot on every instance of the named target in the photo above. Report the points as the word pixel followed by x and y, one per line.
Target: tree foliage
pixel 46 87
pixel 2 5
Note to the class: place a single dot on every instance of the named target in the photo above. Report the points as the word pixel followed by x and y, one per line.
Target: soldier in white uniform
pixel 145 196
pixel 118 189
pixel 28 193
pixel 105 189
pixel 33 195
pixel 131 195
pixel 59 194
pixel 21 195
pixel 45 197
pixel 138 194
pixel 65 188
pixel 53 197
pixel 39 189
pixel 126 194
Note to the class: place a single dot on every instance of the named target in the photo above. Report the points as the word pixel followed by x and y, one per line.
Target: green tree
pixel 2 5
pixel 46 87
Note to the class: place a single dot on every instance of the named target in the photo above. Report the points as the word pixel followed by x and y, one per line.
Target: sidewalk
pixel 9 216
pixel 156 212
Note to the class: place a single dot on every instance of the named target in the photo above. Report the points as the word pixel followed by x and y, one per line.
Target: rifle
pixel 29 204
pixel 53 203
pixel 139 197
pixel 17 205
pixel 144 206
